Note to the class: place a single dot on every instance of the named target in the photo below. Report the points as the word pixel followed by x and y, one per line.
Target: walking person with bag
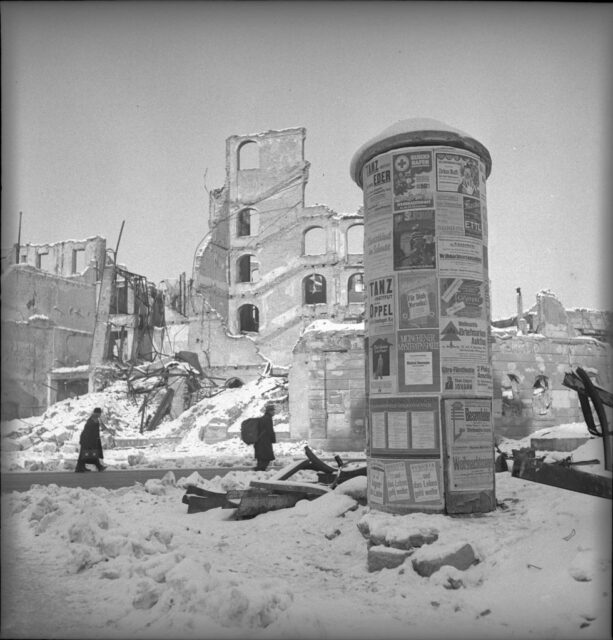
pixel 263 445
pixel 91 445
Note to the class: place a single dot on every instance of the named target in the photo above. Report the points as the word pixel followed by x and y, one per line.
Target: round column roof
pixel 416 132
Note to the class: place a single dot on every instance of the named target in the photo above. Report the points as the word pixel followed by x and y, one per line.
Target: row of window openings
pixel 314 241
pixel 314 292
pixel 43 261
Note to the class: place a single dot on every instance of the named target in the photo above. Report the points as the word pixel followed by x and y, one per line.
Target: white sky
pixel 115 111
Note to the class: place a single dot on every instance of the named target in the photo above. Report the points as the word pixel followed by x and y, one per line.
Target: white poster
pixel 398 430
pixel 425 482
pixel 377 437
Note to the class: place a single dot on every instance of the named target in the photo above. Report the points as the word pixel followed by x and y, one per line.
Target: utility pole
pixel 18 246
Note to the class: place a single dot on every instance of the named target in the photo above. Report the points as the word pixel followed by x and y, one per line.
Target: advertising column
pixel 428 361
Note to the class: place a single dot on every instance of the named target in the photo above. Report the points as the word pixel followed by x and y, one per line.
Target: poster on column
pixel 461 377
pixel 472 218
pixel 377 181
pixel 382 376
pixel 419 360
pixel 462 298
pixel 378 239
pixel 458 172
pixel 405 425
pixel 380 305
pixel 463 339
pixel 469 422
pixel 412 180
pixel 397 486
pixel 460 258
pixel 470 445
pixel 414 240
pixel 417 301
pixel 449 214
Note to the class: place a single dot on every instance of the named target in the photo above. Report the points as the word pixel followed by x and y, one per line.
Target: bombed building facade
pixel 68 312
pixel 270 265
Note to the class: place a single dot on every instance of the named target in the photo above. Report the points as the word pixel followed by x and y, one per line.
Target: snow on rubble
pixel 51 441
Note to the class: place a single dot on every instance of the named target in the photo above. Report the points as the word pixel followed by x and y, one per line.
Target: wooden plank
pixel 259 501
pixel 197 504
pixel 527 467
pixel 283 486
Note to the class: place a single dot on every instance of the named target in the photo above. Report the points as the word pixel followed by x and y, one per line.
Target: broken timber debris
pixel 528 467
pixel 275 492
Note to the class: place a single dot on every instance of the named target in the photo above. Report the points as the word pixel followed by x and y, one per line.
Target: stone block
pixel 461 558
pixel 380 557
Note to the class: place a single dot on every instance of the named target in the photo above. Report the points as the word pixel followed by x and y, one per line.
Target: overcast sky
pixel 119 111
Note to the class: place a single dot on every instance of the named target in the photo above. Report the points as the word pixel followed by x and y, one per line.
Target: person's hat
pixel 97 410
pixel 269 405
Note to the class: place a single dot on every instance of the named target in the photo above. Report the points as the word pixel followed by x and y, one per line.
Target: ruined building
pixel 68 311
pixel 270 265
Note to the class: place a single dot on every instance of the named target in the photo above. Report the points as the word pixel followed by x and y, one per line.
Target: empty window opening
pixel 355 239
pixel 247 269
pixel 314 287
pixel 78 260
pixel 541 395
pixel 246 223
pixel 117 345
pixel 119 297
pixel 71 388
pixel 42 261
pixel 511 401
pixel 314 241
pixel 248 156
pixel 249 318
pixel 355 288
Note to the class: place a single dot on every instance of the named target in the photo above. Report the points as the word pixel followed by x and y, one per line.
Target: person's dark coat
pixel 266 438
pixel 90 437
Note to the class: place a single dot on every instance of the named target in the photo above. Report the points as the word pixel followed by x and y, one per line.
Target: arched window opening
pixel 355 239
pixel 541 395
pixel 541 384
pixel 314 241
pixel 314 287
pixel 511 401
pixel 246 223
pixel 249 318
pixel 356 288
pixel 248 156
pixel 234 383
pixel 246 269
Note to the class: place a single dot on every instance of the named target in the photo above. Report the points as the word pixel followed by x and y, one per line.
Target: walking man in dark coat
pixel 263 446
pixel 91 445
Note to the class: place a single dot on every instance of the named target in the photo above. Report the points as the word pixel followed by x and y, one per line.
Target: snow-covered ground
pixel 132 562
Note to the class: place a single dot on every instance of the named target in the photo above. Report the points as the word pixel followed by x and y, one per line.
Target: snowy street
pixel 132 562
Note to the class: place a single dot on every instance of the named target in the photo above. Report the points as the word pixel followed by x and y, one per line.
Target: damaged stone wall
pixel 224 357
pixel 84 258
pixel 30 350
pixel 328 370
pixel 528 371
